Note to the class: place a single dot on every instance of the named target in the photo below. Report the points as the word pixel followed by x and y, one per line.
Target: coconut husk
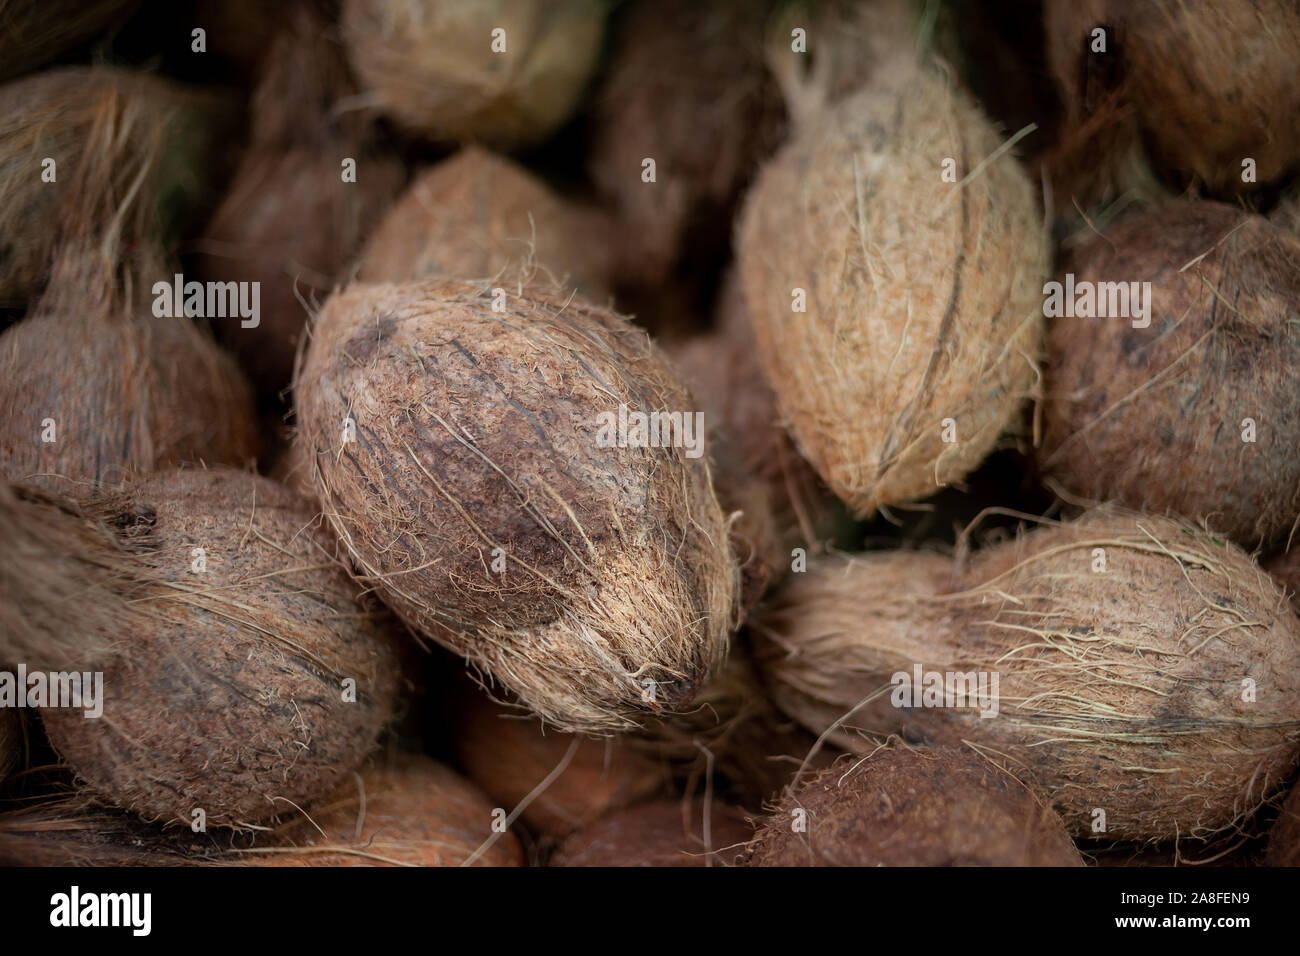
pixel 289 222
pixel 62 562
pixel 431 66
pixel 661 833
pixel 923 297
pixel 478 430
pixel 1205 85
pixel 687 86
pixel 1153 417
pixel 11 741
pixel 1119 689
pixel 72 829
pixel 481 216
pixel 120 390
pixel 1285 569
pixel 1287 212
pixel 1284 839
pixel 571 779
pixel 412 811
pixel 757 469
pixel 227 693
pixel 37 31
pixel 132 153
pixel 901 807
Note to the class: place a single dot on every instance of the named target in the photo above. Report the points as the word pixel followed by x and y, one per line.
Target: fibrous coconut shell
pixel 899 807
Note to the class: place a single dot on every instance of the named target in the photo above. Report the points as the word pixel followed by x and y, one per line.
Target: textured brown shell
pixel 1208 84
pixel 1119 689
pixel 228 693
pixel 413 811
pixel 922 296
pixel 430 65
pixel 508 755
pixel 480 216
pixel 477 430
pixel 128 392
pixel 662 833
pixel 913 808
pixel 1153 417
pixel 686 86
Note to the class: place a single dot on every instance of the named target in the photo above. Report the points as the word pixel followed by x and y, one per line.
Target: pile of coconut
pixel 554 432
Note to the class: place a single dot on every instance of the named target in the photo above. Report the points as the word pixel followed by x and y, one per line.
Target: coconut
pixel 1284 838
pixel 95 387
pixel 469 459
pixel 946 807
pixel 57 559
pixel 502 72
pixel 1285 568
pixel 477 215
pixel 1196 414
pixel 37 31
pixel 662 833
pixel 111 134
pixel 923 318
pixel 1287 212
pixel 412 811
pixel 251 680
pixel 757 469
pixel 509 755
pixel 687 88
pixel 1208 86
pixel 291 222
pixel 1145 668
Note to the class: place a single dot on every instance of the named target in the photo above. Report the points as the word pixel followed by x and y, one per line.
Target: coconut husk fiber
pixel 72 829
pixel 757 469
pixel 131 150
pixel 660 833
pixel 476 215
pixel 36 31
pixel 477 430
pixel 227 693
pixel 120 390
pixel 411 811
pixel 902 807
pixel 64 592
pixel 430 65
pixel 510 755
pixel 289 221
pixel 687 87
pixel 1287 212
pixel 1154 417
pixel 1118 689
pixel 1284 838
pixel 922 297
pixel 11 741
pixel 1206 84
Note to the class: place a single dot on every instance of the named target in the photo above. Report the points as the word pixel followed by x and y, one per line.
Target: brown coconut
pixel 480 216
pixel 1284 838
pixel 412 811
pixel 112 135
pixel 228 693
pixel 946 807
pixel 923 311
pixel 1206 84
pixel 478 430
pixel 510 756
pixel 37 31
pixel 290 222
pixel 757 469
pixel 94 386
pixel 1121 645
pixel 1155 417
pixel 661 833
pixel 686 87
pixel 66 564
pixel 431 64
